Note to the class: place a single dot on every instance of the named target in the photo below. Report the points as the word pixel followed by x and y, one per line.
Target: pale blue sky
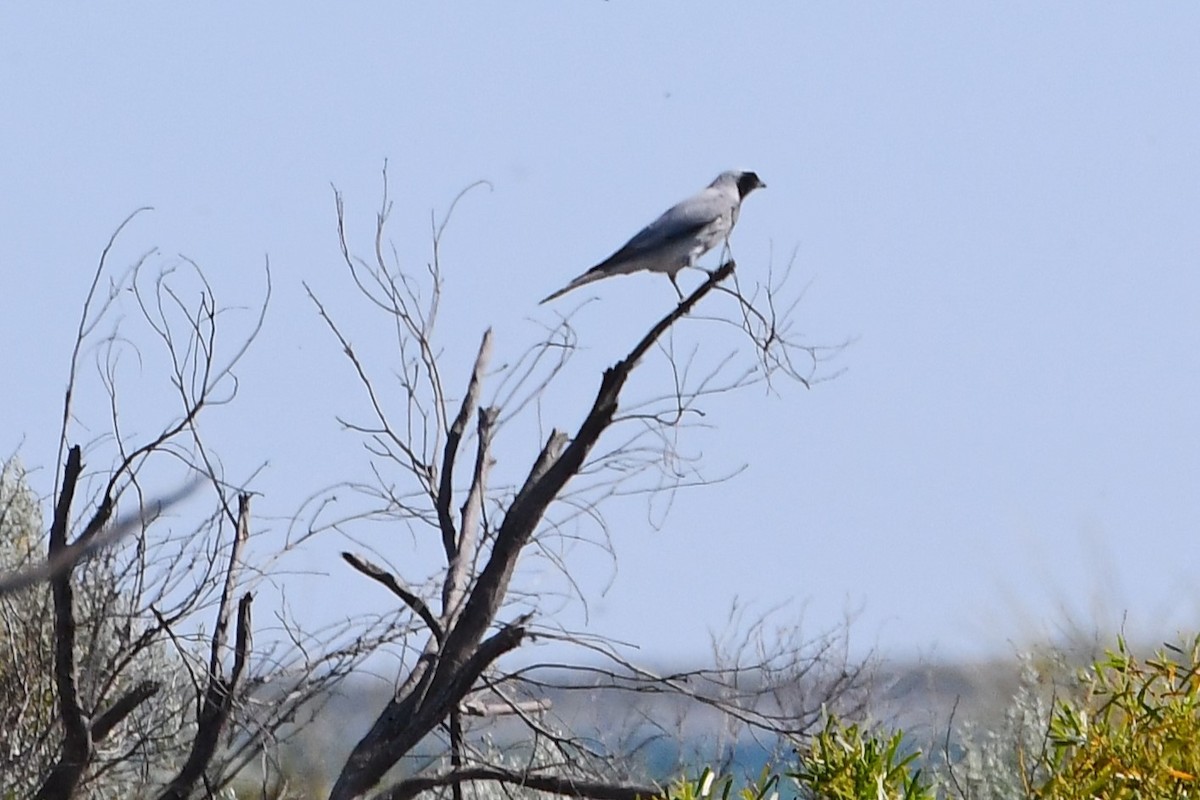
pixel 999 203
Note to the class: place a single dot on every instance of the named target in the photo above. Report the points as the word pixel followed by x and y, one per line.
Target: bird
pixel 681 235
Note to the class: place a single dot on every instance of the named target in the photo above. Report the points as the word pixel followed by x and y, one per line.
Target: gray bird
pixel 681 235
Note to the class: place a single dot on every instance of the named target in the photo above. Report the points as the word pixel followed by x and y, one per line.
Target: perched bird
pixel 681 235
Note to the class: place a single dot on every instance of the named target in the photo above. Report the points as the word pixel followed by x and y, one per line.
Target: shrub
pixel 844 763
pixel 1136 733
pixel 110 663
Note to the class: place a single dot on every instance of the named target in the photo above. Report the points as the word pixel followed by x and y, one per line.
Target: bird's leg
pixel 726 251
pixel 674 283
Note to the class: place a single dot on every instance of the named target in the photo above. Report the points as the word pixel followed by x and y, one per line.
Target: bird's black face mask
pixel 748 182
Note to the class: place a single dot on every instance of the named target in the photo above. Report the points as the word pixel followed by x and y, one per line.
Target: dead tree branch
pixel 219 695
pixel 410 598
pixel 122 708
pixel 451 667
pixel 503 514
pixel 445 495
pixel 77 739
pixel 132 611
pixel 552 784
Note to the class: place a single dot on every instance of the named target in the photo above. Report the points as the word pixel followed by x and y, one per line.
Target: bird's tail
pixel 585 278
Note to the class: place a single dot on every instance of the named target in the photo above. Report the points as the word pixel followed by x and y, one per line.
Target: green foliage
pixel 1136 734
pixel 841 763
pixel 710 786
pixel 844 763
pixel 1125 728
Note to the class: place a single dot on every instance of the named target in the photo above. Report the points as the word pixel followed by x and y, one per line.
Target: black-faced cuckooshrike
pixel 681 235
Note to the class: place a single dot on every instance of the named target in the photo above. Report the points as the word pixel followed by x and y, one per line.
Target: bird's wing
pixel 668 237
pixel 680 222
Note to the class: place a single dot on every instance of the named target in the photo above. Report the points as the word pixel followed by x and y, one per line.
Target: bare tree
pixel 131 656
pixel 144 552
pixel 434 458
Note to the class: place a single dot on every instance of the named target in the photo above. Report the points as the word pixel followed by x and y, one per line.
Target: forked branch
pixel 217 702
pixel 445 497
pixel 410 598
pixel 450 670
pixel 77 739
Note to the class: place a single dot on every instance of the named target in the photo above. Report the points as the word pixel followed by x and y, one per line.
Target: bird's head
pixel 747 182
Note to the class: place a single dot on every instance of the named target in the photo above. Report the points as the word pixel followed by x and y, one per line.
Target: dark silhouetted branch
pixel 125 706
pixel 531 502
pixel 408 719
pixel 381 575
pixel 454 436
pixel 458 571
pixel 77 739
pixel 219 694
pixel 449 671
pixel 553 784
